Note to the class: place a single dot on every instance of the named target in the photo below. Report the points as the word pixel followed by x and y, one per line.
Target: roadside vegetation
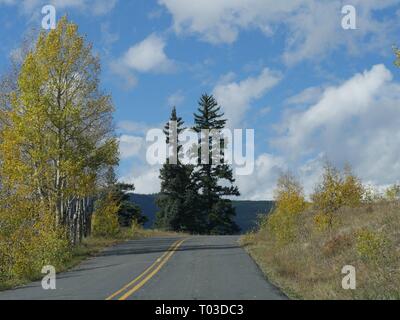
pixel 303 245
pixel 89 247
pixel 59 198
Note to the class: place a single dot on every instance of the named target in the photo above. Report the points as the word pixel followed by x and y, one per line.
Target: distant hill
pixel 246 211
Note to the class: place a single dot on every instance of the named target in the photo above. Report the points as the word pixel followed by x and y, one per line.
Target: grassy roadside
pixel 309 267
pixel 90 247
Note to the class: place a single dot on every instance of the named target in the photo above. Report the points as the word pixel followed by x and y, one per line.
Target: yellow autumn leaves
pixel 336 190
pixel 56 142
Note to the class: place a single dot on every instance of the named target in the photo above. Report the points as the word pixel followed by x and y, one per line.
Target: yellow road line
pixel 143 273
pixel 143 282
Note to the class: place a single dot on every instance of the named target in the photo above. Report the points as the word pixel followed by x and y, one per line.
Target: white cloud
pixel 220 21
pixel 133 149
pixel 307 96
pixel 148 56
pixel 107 36
pixel 236 97
pixel 357 121
pixel 313 26
pixel 130 146
pixel 92 7
pixel 261 184
pixel 145 56
pixel 7 2
pixel 176 99
pixel 134 127
pixel 128 77
pixel 101 7
pixel 146 179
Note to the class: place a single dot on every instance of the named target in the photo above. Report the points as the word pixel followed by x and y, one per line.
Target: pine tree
pixel 178 192
pixel 128 211
pixel 217 211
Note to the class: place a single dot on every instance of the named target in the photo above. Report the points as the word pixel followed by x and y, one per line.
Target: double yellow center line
pixel 133 286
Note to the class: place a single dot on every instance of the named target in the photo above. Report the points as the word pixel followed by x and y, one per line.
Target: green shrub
pixel 371 246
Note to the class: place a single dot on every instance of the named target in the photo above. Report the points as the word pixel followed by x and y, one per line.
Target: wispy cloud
pixel 236 97
pixel 90 7
pixel 176 99
pixel 314 26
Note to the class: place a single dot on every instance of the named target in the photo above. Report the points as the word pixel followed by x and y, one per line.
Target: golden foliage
pixel 290 202
pixel 392 193
pixel 355 228
pixel 55 139
pixel 29 240
pixel 336 190
pixel 325 221
pixel 310 267
pixel 105 219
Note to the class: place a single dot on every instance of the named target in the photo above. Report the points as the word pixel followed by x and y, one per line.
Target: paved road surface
pixel 198 267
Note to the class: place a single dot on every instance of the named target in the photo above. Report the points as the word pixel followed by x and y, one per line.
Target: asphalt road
pixel 193 268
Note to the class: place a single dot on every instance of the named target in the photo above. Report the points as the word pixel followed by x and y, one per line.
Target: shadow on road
pixel 160 246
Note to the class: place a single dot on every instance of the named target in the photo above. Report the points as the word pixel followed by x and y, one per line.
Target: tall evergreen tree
pixel 178 192
pixel 217 210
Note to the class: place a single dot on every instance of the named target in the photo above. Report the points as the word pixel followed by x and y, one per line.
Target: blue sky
pixel 287 69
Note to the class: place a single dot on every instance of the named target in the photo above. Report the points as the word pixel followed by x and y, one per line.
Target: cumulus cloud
pixel 357 121
pixel 146 56
pixel 236 97
pixel 133 149
pixel 145 179
pixel 261 184
pixel 314 26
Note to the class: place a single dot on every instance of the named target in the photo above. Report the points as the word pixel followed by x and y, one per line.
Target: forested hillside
pixel 246 211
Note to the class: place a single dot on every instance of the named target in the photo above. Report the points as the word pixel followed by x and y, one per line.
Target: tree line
pixel 194 198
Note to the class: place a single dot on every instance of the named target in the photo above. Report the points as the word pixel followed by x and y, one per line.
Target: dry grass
pixel 367 238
